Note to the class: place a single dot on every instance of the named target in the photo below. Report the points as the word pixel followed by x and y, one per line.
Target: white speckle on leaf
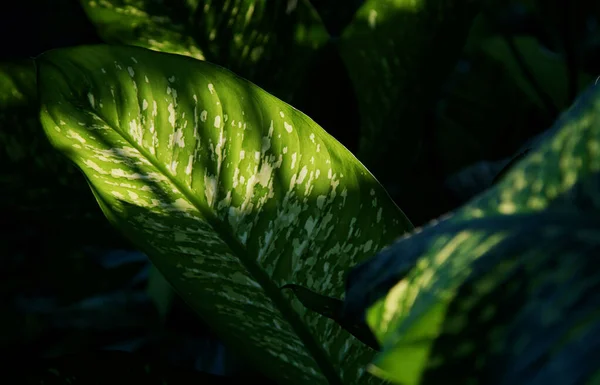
pixel 188 168
pixel 281 114
pixel 91 164
pixel 136 131
pixel 203 115
pixel 210 189
pixel 131 71
pixel 171 114
pixel 173 167
pixel 177 137
pixel 74 135
pixel 321 201
pixel 171 79
pixel 211 88
pixel 144 105
pixel 288 127
pixel 302 175
pixel 217 123
pixel 372 18
pixel 91 99
pixel 293 161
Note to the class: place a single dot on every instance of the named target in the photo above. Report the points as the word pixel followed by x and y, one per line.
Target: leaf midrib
pixel 316 350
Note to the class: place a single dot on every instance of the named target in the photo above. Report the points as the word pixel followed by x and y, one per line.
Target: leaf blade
pixel 265 186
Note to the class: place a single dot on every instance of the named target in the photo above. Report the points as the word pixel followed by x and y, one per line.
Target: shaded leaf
pixel 397 75
pixel 499 292
pixel 229 191
pixel 110 367
pixel 335 17
pixel 270 43
pixel 332 308
pixel 550 70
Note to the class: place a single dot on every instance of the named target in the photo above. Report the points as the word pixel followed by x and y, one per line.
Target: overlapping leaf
pixel 398 53
pixel 500 292
pixel 37 184
pixel 269 43
pixel 231 192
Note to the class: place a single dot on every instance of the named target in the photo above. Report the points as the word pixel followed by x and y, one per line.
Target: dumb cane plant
pixel 231 192
pixel 236 196
pixel 267 226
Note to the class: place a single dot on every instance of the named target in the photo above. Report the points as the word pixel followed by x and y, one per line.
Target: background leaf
pixel 269 43
pixel 495 291
pixel 397 77
pixel 105 367
pixel 226 188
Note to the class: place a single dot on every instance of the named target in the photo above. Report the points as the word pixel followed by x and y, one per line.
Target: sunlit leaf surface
pixel 232 194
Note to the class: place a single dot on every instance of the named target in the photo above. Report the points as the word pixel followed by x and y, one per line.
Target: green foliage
pixel 256 216
pixel 230 192
pixel 269 43
pixel 333 308
pixel 499 292
pixel 396 75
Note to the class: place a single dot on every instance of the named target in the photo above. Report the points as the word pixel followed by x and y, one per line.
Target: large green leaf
pixel 398 53
pixel 268 42
pixel 231 192
pixel 501 291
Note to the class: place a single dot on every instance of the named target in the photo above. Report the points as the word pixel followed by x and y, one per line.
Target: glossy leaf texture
pixel 231 192
pixel 501 291
pixel 398 54
pixel 269 43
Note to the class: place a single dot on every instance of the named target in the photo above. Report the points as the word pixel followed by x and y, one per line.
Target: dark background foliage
pixel 69 291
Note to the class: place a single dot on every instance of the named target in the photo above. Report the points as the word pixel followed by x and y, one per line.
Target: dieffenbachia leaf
pixel 500 292
pixel 268 42
pixel 398 54
pixel 231 192
pixel 332 308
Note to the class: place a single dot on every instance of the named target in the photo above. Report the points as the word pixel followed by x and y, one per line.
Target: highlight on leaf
pixel 231 193
pixel 500 291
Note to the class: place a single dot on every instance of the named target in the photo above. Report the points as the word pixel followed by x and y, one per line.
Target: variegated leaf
pixel 230 191
pixel 501 291
pixel 268 42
